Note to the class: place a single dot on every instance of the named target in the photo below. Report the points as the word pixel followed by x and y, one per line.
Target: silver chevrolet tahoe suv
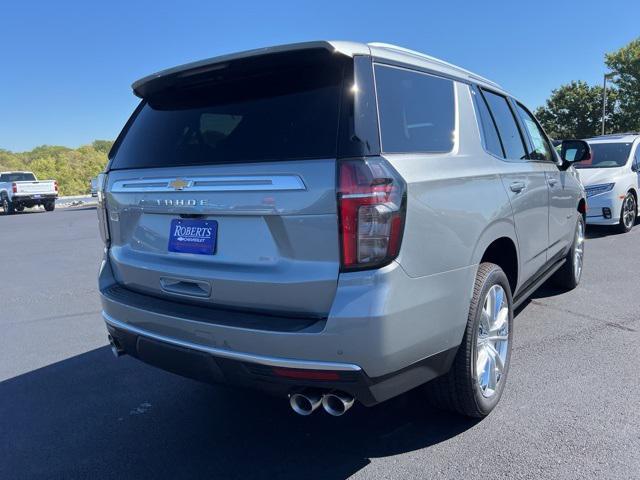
pixel 332 222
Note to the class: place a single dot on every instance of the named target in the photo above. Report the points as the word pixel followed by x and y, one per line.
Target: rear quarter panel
pixel 457 204
pixel 456 207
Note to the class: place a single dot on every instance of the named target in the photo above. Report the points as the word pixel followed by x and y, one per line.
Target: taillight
pixel 101 185
pixel 103 223
pixel 372 204
pixel 55 186
pixel 14 188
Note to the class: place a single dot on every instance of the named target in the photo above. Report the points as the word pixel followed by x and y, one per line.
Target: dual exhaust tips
pixel 334 403
pixel 116 348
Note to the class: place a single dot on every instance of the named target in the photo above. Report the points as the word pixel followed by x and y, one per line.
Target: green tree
pixel 72 168
pixel 575 111
pixel 102 146
pixel 625 64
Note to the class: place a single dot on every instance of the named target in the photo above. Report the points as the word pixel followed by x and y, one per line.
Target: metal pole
pixel 604 102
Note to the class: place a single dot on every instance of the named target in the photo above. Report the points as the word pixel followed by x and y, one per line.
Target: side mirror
pixel 574 151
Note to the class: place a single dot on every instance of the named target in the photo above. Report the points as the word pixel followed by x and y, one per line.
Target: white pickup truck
pixel 20 190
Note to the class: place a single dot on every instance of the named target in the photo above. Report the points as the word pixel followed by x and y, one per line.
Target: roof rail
pixel 424 56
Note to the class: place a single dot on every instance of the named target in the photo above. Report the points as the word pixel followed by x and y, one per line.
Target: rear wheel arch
pixel 504 253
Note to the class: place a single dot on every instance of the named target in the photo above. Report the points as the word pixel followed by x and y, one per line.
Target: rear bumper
pixel 272 375
pixel 386 333
pixel 33 199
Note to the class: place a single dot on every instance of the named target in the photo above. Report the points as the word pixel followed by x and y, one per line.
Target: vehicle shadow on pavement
pixel 98 417
pixel 27 211
pixel 598 231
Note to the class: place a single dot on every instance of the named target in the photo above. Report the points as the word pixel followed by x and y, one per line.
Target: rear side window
pixel 489 132
pixel 417 111
pixel 243 115
pixel 540 148
pixel 17 177
pixel 506 123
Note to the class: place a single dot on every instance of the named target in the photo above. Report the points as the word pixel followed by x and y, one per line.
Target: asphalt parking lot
pixel 69 409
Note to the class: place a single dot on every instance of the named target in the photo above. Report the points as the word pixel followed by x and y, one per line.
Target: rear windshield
pixel 285 112
pixel 606 155
pixel 17 177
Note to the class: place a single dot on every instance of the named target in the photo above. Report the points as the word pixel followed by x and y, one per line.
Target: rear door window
pixel 540 148
pixel 289 112
pixel 489 132
pixel 507 126
pixel 417 111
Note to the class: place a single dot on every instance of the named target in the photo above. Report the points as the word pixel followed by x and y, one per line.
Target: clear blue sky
pixel 66 67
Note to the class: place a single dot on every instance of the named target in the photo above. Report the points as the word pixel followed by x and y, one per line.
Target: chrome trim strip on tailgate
pixel 232 183
pixel 243 357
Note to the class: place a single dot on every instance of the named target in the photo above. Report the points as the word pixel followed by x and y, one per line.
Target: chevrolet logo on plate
pixel 179 184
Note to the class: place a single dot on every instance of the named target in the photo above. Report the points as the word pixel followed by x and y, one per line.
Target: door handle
pixel 552 182
pixel 517 187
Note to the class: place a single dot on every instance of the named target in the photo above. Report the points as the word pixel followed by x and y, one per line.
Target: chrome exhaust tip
pixel 305 403
pixel 116 349
pixel 337 403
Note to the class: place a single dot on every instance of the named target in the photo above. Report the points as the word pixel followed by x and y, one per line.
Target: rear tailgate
pixel 276 246
pixel 245 160
pixel 43 187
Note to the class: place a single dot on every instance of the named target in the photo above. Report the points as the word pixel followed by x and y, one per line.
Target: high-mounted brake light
pixel 372 205
pixel 14 188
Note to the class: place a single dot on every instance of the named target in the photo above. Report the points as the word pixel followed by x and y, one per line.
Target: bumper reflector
pixel 300 374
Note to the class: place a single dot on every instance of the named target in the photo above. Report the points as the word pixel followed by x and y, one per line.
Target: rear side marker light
pixel 372 208
pixel 299 374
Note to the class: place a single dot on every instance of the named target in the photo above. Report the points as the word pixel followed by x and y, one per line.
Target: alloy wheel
pixel 578 252
pixel 492 341
pixel 629 211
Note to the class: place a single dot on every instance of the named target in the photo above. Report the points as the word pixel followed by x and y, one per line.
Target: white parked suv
pixel 610 177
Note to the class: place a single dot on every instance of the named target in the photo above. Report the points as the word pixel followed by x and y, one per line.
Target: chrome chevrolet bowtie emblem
pixel 179 184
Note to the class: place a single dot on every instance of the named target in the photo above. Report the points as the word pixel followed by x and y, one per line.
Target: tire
pixel 463 389
pixel 628 213
pixel 20 208
pixel 50 206
pixel 569 275
pixel 7 206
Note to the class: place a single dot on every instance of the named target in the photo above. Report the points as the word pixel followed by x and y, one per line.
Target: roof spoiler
pixel 155 82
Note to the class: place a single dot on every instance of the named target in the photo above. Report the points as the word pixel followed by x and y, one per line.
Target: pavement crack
pixel 620 326
pixel 55 317
pixel 567 310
